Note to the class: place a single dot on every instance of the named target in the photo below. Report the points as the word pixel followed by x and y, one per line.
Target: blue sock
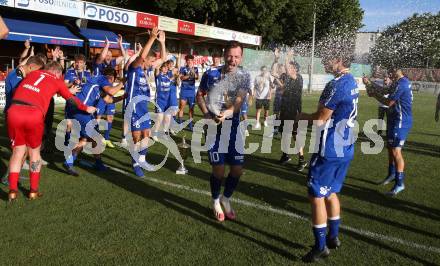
pixel 400 176
pixel 333 224
pixel 98 161
pixel 391 170
pixel 107 132
pixel 143 152
pixel 230 185
pixel 70 160
pixel 320 237
pixel 66 138
pixel 216 185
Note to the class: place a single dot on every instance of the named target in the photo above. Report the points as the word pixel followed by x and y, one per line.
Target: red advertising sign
pixel 148 21
pixel 186 27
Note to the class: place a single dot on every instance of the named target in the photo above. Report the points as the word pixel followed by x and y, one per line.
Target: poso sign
pixel 111 15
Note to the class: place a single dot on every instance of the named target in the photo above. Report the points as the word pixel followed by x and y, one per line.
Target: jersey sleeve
pixel 65 93
pixel 103 82
pixel 182 71
pixel 158 83
pixel 69 76
pixel 203 86
pixel 397 94
pixel 330 96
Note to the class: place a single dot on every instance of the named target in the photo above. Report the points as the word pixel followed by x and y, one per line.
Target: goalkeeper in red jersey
pixel 26 121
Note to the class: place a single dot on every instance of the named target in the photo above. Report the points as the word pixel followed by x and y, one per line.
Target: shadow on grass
pixel 381 245
pixel 187 208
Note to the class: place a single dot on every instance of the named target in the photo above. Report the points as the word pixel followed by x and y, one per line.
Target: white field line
pixel 268 208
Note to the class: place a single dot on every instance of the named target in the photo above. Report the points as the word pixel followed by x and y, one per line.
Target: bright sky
pixel 378 14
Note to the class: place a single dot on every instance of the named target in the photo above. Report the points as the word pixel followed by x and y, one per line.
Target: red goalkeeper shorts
pixel 25 126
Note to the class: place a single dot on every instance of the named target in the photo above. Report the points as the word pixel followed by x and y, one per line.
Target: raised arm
pixel 163 50
pixel 121 58
pixel 4 31
pixel 104 52
pixel 153 36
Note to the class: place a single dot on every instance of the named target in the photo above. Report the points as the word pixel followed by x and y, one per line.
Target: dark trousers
pixel 382 112
pixel 48 121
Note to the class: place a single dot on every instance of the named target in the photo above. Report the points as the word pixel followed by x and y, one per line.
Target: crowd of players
pixel 91 95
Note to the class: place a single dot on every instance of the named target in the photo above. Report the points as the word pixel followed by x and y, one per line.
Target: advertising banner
pixel 7 3
pixel 110 14
pixel 185 27
pixel 145 20
pixel 168 24
pixel 69 8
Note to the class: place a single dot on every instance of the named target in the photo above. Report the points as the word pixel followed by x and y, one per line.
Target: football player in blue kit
pixel 103 60
pixel 335 115
pixel 166 100
pixel 137 85
pixel 233 156
pixel 77 75
pixel 188 76
pixel 399 123
pixel 97 88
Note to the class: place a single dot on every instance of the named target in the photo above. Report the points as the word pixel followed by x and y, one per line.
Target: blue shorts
pixel 104 108
pixel 191 101
pixel 83 119
pixel 397 136
pixel 244 108
pixel 68 111
pixel 138 126
pixel 326 175
pixel 165 107
pixel 232 157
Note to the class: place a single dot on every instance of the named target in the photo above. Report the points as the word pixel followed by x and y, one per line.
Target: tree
pixel 414 42
pixel 278 21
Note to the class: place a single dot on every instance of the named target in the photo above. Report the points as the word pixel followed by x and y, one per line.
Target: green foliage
pixel 414 42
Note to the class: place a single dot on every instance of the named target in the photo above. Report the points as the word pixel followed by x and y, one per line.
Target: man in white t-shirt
pixel 263 93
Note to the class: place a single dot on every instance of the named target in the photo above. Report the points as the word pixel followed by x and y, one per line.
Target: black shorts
pixel 262 103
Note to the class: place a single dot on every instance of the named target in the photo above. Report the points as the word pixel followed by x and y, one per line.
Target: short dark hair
pixel 233 44
pixel 42 56
pixel 35 60
pixel 109 71
pixel 189 56
pixel 53 66
pixel 216 55
pixel 295 65
pixel 80 57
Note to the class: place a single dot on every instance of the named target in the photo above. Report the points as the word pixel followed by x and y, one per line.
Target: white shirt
pixel 262 87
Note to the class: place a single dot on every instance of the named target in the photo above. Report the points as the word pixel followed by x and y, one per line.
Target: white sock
pixel 226 204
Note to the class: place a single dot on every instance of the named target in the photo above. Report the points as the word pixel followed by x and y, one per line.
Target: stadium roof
pixel 131 18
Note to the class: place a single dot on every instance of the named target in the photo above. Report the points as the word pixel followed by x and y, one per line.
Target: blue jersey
pixel 214 75
pixel 188 87
pixel 11 83
pixel 171 77
pixel 400 114
pixel 98 69
pixel 73 75
pixel 340 95
pixel 209 78
pixel 163 87
pixel 137 85
pixel 91 91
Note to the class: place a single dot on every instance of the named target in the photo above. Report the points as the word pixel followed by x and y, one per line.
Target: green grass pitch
pixel 115 218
